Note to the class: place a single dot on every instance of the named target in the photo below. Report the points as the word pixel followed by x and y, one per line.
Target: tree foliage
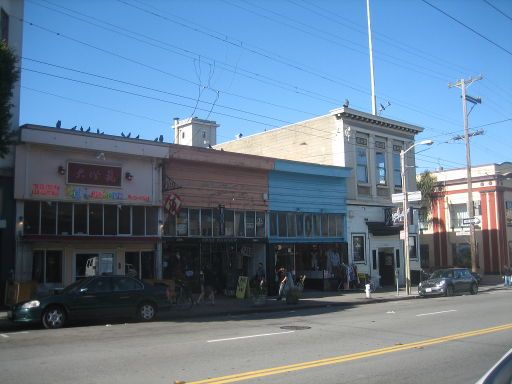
pixel 9 75
pixel 427 185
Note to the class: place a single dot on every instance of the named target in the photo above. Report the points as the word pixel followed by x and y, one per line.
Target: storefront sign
pixel 79 193
pixel 173 204
pixel 138 197
pixel 93 174
pixel 45 190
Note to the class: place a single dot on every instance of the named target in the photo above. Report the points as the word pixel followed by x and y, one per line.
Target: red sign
pixel 45 190
pixel 173 204
pixel 93 174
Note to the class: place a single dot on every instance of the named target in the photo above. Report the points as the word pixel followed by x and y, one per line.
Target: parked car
pixel 448 282
pixel 94 297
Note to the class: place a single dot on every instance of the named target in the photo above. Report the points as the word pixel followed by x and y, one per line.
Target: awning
pixel 378 228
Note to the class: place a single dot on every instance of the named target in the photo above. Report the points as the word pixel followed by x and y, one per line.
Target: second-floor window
pixel 397 171
pixel 380 165
pixel 362 165
pixel 458 212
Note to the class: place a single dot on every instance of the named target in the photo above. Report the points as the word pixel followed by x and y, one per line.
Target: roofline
pixel 375 120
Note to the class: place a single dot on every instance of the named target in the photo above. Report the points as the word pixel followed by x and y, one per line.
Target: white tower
pixel 195 132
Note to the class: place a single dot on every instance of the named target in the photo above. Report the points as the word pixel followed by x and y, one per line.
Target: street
pixel 436 340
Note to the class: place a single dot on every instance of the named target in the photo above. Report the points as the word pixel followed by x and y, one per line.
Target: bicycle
pixel 182 298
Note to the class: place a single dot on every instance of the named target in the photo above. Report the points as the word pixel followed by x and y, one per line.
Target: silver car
pixel 448 282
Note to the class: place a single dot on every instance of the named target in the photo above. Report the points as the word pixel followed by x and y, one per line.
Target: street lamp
pixel 406 214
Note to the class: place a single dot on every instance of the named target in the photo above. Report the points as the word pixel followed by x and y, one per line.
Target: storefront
pixel 83 210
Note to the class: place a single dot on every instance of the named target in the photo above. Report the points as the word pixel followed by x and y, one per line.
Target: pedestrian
pixel 282 280
pixel 507 276
pixel 207 282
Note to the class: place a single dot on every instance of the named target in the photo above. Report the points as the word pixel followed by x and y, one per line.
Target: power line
pixel 497 9
pixel 468 27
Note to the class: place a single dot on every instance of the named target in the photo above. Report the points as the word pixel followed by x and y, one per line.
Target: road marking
pixel 436 313
pixel 344 358
pixel 248 337
pixel 12 333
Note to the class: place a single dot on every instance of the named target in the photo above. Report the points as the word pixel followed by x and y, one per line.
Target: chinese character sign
pixel 92 174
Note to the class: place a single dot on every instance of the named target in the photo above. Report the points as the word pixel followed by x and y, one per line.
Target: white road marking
pixel 436 313
pixel 248 337
pixel 12 333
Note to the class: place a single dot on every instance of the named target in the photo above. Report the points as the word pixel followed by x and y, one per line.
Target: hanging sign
pixel 173 204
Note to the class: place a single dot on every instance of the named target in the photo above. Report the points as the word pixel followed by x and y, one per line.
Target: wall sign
pixel 93 174
pixel 80 193
pixel 45 190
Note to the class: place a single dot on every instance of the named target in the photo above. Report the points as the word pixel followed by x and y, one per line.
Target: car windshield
pixel 441 274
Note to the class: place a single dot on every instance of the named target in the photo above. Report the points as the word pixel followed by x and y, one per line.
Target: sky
pixel 131 66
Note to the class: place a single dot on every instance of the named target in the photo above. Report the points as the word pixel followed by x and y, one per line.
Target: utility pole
pixel 372 77
pixel 463 84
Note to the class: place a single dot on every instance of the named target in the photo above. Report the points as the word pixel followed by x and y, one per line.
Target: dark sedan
pixel 92 298
pixel 448 282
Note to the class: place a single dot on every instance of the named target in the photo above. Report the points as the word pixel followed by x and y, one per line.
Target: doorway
pixel 386 266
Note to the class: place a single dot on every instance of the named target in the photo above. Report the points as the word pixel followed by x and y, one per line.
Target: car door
pixel 126 294
pixel 92 300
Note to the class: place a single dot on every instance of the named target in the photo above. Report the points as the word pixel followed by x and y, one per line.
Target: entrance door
pixel 386 266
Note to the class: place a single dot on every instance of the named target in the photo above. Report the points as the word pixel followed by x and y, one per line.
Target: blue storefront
pixel 307 222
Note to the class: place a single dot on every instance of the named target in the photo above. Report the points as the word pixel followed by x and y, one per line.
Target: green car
pixel 94 298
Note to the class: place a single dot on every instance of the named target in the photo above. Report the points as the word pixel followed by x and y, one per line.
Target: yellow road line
pixel 344 358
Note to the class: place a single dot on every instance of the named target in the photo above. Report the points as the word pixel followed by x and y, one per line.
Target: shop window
pixel 138 221
pixel 260 224
pixel 216 222
pixel 193 223
pixel 65 219
pixel 358 248
pixel 206 222
pixel 125 220
pixel 292 225
pixel 182 223
pixel 95 219
pixel 397 167
pixel 229 222
pixel 316 225
pixel 31 217
pixel 308 225
pixel 240 224
pixel 48 218
pixel 477 208
pixel 151 221
pixel 299 218
pixel 332 226
pixel 412 248
pixel 80 219
pixel 458 212
pixel 273 223
pixel 83 265
pixel 110 220
pixel 340 229
pixel 250 224
pixel 132 264
pixel 325 225
pixel 47 266
pixel 170 226
pixel 147 261
pixel 281 221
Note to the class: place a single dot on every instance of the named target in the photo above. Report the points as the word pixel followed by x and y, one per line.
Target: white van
pixel 91 266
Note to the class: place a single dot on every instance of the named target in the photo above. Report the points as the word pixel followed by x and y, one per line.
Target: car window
pixel 125 284
pixel 99 285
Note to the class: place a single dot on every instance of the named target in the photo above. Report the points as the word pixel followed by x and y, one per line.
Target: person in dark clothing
pixel 207 281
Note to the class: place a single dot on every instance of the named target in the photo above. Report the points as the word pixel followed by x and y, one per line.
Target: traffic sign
pixel 471 220
pixel 411 196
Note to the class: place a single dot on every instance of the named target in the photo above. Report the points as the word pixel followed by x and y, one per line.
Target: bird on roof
pixel 122 134
pixel 88 129
pixel 58 124
pixel 97 130
pixel 73 128
pixel 346 103
pixel 156 139
pixel 129 134
pixel 81 128
pixel 161 138
pixel 137 136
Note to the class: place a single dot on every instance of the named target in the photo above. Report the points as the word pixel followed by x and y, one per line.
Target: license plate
pixel 428 289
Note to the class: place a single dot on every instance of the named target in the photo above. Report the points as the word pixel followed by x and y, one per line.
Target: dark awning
pixel 378 228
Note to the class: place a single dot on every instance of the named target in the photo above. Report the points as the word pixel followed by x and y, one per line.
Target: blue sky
pixel 134 65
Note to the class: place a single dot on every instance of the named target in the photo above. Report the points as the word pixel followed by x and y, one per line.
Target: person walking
pixel 207 282
pixel 507 276
pixel 282 280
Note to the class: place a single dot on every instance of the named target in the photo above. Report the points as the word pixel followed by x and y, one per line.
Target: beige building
pixel 370 145
pixel 445 236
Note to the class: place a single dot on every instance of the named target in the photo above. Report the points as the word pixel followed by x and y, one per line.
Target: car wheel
pixel 448 291
pixel 54 317
pixel 474 289
pixel 146 311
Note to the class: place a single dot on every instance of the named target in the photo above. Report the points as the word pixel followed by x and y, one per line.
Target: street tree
pixel 9 75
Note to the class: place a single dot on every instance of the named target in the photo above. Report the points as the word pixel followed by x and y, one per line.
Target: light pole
pixel 406 214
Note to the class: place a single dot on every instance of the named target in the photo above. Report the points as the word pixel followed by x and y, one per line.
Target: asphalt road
pixel 437 340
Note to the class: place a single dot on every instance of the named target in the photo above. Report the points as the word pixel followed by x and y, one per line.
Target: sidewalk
pixel 229 306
